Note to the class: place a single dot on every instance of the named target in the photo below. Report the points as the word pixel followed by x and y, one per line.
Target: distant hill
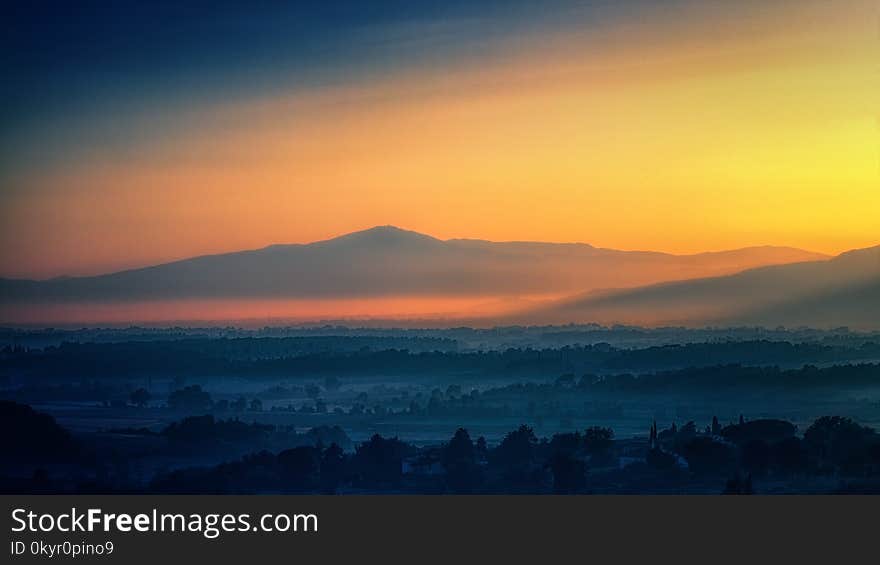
pixel 843 291
pixel 386 262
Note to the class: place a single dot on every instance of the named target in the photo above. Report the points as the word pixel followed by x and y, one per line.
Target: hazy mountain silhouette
pixel 843 291
pixel 387 261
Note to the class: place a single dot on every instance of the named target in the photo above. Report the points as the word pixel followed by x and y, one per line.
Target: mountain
pixel 843 291
pixel 387 261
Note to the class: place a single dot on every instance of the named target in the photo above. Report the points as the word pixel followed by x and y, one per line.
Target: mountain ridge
pixel 458 277
pixel 394 234
pixel 845 288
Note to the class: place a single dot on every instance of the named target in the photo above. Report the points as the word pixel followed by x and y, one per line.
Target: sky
pixel 137 133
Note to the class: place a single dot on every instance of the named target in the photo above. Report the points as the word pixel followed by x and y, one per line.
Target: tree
pixel 516 455
pixel 834 439
pixel 517 447
pixel 738 485
pixel 379 461
pixel 300 467
pixel 756 457
pixel 598 440
pixel 140 397
pixel 328 435
pixel 789 456
pixel 767 430
pixel 569 473
pixel 460 461
pixel 661 460
pixel 482 449
pixel 459 449
pixel 332 467
pixel 202 431
pixel 568 443
pixel 706 456
pixel 191 398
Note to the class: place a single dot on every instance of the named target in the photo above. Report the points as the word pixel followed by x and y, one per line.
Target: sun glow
pixel 667 136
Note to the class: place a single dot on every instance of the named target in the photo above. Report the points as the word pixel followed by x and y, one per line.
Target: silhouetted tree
pixel 459 460
pixel 481 448
pixel 191 398
pixel 332 468
pixel 661 460
pixel 598 442
pixel 567 443
pixel 756 457
pixel 569 473
pixel 706 456
pixel 517 447
pixel 738 485
pixel 140 397
pixel 835 439
pixel 206 432
pixel 379 461
pixel 516 458
pixel 789 456
pixel 300 467
pixel 767 430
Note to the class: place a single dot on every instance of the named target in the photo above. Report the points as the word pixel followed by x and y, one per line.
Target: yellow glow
pixel 669 141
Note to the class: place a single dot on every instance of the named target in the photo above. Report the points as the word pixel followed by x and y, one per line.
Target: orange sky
pixel 665 136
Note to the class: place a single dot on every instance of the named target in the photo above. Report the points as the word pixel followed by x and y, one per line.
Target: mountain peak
pixel 868 255
pixel 386 229
pixel 386 234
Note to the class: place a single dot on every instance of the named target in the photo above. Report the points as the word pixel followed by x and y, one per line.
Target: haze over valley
pixel 386 273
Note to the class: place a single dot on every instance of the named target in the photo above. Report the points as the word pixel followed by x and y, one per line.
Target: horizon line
pixel 392 227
